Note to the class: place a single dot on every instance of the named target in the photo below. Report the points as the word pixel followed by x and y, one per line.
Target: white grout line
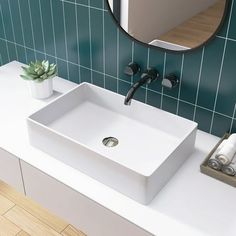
pixel 77 39
pixel 199 81
pixel 4 32
pixel 42 28
pixel 13 31
pixel 148 65
pixel 32 31
pixel 103 45
pixel 132 60
pixel 229 39
pixel 90 41
pixel 83 5
pixel 22 31
pixel 53 32
pixel 221 68
pixel 65 34
pixel 164 73
pixel 180 83
pixel 233 119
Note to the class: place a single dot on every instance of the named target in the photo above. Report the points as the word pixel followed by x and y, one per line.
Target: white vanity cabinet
pixel 85 214
pixel 10 170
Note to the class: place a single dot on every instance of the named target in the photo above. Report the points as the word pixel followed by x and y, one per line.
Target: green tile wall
pixel 82 38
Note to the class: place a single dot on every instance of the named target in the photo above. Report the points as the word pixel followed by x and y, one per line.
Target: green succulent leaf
pixel 25 77
pixel 39 70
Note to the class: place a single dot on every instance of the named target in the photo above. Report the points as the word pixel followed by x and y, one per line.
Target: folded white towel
pixel 232 139
pixel 226 153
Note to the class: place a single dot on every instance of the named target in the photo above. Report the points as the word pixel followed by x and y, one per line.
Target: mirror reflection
pixel 175 25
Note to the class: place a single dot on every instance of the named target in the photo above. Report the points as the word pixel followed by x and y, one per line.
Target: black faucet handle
pixel 150 73
pixel 170 81
pixel 132 69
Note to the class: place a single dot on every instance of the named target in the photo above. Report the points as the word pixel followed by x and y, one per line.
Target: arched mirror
pixel 177 25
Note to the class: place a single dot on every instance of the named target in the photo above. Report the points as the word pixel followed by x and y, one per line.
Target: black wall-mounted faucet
pixel 146 78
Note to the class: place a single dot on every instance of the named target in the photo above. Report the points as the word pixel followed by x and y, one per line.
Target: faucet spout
pixel 146 78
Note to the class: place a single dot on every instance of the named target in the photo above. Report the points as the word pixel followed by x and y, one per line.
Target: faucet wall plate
pixel 170 81
pixel 132 69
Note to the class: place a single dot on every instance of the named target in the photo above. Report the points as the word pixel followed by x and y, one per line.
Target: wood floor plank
pixel 198 29
pixel 22 233
pixel 5 205
pixel 29 223
pixel 42 214
pixel 71 231
pixel 7 228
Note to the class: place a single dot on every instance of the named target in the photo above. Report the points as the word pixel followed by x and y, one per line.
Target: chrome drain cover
pixel 110 142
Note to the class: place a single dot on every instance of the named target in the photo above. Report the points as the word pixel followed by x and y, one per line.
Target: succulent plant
pixel 39 71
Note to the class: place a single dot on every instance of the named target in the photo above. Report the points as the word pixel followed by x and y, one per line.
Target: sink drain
pixel 110 142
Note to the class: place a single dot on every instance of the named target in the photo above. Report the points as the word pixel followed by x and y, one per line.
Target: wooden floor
pixel 198 29
pixel 22 217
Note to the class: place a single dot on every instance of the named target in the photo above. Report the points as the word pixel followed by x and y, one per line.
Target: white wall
pixel 156 17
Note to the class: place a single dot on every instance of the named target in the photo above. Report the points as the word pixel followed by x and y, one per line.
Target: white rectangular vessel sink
pixel 133 149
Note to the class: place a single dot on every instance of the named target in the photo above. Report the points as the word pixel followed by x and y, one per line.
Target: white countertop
pixel 190 204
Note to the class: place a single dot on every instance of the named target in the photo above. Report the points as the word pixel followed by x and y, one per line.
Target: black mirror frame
pixel 117 12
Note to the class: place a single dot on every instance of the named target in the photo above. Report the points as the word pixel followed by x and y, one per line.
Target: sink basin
pixel 133 149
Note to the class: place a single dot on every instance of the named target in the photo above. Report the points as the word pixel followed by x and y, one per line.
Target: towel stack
pixel 224 158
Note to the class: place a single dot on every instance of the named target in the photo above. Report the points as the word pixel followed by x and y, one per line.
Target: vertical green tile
pixel 84 2
pixel 203 118
pixel 97 39
pixel 173 66
pixel 98 79
pixel 16 21
pixel 83 28
pixel 71 37
pixel 140 95
pixel 210 73
pixel 2 33
pixel 110 46
pixel 59 29
pixel 85 75
pixel 21 54
pixel 221 125
pixel 227 95
pixel 3 51
pixel 96 3
pixel 169 104
pixel 154 99
pixel 25 14
pixel 191 72
pixel 125 55
pixel 48 27
pixel 7 20
pixel 62 69
pixel 74 73
pixel 156 60
pixel 111 83
pixel 186 110
pixel 12 51
pixel 123 87
pixel 37 26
